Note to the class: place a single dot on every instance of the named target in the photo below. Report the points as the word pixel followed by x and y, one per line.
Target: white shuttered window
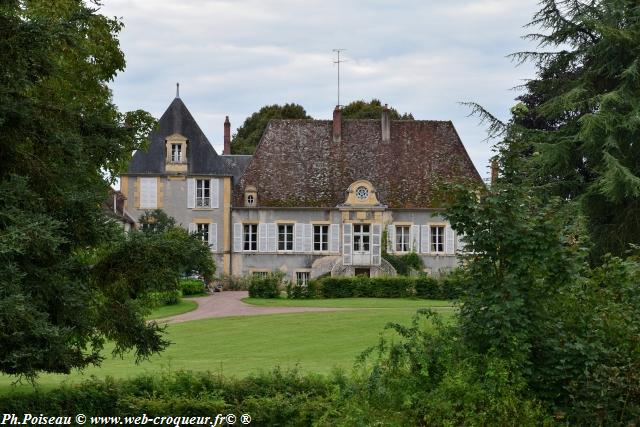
pixel 148 193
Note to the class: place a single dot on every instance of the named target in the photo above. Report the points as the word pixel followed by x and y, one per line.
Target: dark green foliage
pixel 265 286
pixel 61 138
pixel 156 221
pixel 405 264
pixel 577 124
pixel 161 298
pixel 371 110
pixel 249 134
pixel 192 287
pixel 362 286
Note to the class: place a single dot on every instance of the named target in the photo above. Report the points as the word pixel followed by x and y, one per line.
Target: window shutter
pixel 237 237
pixel 213 237
pixel 214 185
pixel 376 240
pixel 415 238
pixel 449 239
pixel 192 228
pixel 347 244
pixel 391 238
pixel 298 237
pixel 262 237
pixel 334 238
pixel 424 239
pixel 148 193
pixel 272 237
pixel 308 237
pixel 191 193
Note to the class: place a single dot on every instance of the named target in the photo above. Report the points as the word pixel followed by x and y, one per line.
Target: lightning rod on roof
pixel 338 61
pixel 177 90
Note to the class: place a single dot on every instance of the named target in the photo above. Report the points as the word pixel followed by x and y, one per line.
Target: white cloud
pixel 232 57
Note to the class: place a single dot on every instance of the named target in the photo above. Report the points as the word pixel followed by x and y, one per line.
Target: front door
pixel 361 244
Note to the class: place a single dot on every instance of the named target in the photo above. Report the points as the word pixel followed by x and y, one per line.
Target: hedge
pixel 446 286
pixel 192 287
pixel 267 286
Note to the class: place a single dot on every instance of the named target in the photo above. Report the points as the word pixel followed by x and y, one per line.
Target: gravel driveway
pixel 228 303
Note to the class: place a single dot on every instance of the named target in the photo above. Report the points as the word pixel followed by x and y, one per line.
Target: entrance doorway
pixel 361 244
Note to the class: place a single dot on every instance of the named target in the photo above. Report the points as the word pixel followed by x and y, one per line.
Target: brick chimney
pixel 337 124
pixel 386 124
pixel 227 136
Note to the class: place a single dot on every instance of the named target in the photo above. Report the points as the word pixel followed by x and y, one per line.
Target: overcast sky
pixel 231 57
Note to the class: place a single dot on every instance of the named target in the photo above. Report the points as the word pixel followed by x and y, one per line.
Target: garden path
pixel 228 303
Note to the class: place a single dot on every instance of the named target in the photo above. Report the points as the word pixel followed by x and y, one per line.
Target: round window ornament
pixel 362 193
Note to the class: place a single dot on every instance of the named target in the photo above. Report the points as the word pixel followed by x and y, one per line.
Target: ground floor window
pixel 320 238
pixel 250 237
pixel 302 278
pixel 437 238
pixel 361 238
pixel 285 237
pixel 203 232
pixel 402 238
pixel 262 274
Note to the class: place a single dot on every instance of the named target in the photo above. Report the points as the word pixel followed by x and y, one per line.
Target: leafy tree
pixel 578 122
pixel 62 286
pixel 156 221
pixel 246 139
pixel 371 110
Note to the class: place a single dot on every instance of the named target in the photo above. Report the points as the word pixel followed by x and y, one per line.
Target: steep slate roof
pixel 201 157
pixel 298 164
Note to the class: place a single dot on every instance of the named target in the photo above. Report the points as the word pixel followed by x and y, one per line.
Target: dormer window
pixel 250 196
pixel 176 153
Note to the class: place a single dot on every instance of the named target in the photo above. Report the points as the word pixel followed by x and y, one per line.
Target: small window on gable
pixel 176 153
pixel 250 200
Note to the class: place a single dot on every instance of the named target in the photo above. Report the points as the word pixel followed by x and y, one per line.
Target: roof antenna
pixel 338 61
pixel 177 90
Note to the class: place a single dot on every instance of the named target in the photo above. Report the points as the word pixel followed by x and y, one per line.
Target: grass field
pixel 184 306
pixel 314 342
pixel 404 303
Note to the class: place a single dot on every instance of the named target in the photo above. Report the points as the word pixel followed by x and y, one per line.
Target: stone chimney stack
pixel 494 171
pixel 337 124
pixel 386 124
pixel 227 136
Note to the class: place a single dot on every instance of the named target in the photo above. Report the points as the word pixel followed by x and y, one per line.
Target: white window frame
pixel 323 237
pixel 436 244
pixel 251 200
pixel 362 238
pixel 250 237
pixel 176 149
pixel 203 229
pixel 288 237
pixel 302 278
pixel 203 193
pixel 402 242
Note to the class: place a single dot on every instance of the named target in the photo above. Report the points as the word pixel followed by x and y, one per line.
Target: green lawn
pixel 184 306
pixel 315 342
pixel 351 302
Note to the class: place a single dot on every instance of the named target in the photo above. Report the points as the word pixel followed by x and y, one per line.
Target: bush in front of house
pixel 162 298
pixel 265 286
pixel 192 287
pixel 311 290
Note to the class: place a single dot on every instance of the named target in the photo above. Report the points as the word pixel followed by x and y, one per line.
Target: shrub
pixel 267 286
pixel 159 299
pixel 192 286
pixel 427 287
pixel 405 264
pixel 233 283
pixel 362 286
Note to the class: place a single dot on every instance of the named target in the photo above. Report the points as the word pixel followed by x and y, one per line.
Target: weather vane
pixel 177 90
pixel 338 61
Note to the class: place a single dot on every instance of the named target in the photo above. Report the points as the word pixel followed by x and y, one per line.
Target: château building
pixel 317 197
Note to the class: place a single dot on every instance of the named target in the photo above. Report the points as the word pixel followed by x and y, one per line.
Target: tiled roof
pixel 201 157
pixel 298 163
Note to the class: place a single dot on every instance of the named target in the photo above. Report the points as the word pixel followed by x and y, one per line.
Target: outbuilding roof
pixel 299 163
